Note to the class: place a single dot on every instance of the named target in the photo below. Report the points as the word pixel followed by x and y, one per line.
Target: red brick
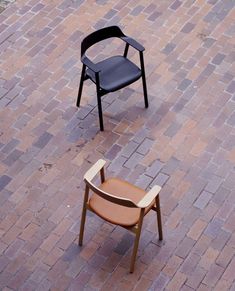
pixel 53 256
pixel 225 256
pixel 208 258
pixel 154 269
pixel 89 250
pixel 98 278
pixel 222 285
pixel 213 275
pixel 34 260
pixel 177 281
pixel 19 278
pixel 197 229
pixel 11 234
pixel 49 243
pixel 17 263
pixel 229 274
pixel 116 276
pixel 29 231
pixel 14 248
pixel 196 278
pixel 172 266
pixel 75 267
pixel 185 247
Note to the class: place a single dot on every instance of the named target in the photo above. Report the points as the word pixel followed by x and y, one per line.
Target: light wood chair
pixel 120 203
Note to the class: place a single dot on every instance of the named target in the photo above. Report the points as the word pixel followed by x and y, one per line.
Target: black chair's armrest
pixel 133 43
pixel 90 64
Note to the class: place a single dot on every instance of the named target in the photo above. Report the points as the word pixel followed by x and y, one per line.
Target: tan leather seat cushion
pixel 115 213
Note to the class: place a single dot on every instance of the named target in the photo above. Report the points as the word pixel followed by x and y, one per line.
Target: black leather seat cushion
pixel 115 73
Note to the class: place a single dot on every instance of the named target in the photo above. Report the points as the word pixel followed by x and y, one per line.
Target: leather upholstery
pixel 115 73
pixel 115 213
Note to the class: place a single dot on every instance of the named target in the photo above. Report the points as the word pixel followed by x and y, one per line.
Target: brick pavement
pixel 185 142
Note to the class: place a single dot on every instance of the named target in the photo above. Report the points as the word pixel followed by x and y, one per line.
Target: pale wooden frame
pixel 142 204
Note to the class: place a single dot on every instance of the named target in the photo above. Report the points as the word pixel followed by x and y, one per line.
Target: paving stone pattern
pixel 4 4
pixel 185 141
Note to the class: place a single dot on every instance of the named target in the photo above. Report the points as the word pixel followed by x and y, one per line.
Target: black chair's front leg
pixel 99 101
pixel 144 80
pixel 81 85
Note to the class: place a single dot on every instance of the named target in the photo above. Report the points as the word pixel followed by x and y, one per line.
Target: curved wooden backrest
pixel 99 167
pixel 110 197
pixel 90 174
pixel 99 35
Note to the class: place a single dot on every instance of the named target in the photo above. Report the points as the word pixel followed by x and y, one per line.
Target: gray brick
pixel 208 42
pixel 168 48
pixel 4 181
pixel 160 283
pixel 154 16
pixel 218 59
pixel 137 10
pixel 219 242
pixel 43 140
pixel 110 13
pixel 129 149
pixel 170 166
pixel 184 84
pixel 125 244
pixel 231 87
pixel 154 169
pixel 29 154
pixel 143 181
pixel 203 200
pixel 160 180
pixel 10 146
pixel 145 146
pixel 172 129
pixel 112 153
pixel 213 184
pixel 150 8
pixel 117 164
pixel 22 121
pixel 188 27
pixel 12 157
pixel 176 5
pixel 214 228
pixel 4 195
pixel 133 161
pixel 231 119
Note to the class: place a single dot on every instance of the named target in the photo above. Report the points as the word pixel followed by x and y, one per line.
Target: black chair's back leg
pixel 144 80
pixel 99 101
pixel 81 85
pixel 126 50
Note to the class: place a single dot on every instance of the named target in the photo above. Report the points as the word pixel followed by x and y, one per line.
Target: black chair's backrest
pixel 99 35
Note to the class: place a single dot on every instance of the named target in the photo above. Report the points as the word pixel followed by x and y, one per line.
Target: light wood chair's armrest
pixel 90 174
pixel 148 198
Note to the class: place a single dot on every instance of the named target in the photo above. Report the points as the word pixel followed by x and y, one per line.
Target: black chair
pixel 112 73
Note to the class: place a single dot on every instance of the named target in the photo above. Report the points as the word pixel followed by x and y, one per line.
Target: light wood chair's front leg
pixel 83 218
pixel 137 238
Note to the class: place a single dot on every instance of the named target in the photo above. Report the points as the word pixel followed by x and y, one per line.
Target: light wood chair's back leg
pixel 159 219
